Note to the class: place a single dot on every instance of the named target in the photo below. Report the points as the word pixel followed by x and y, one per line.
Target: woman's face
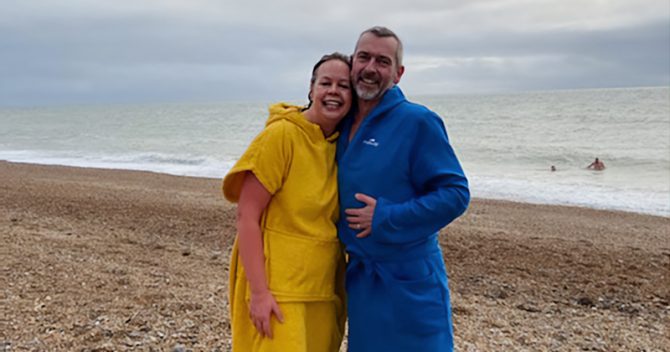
pixel 331 91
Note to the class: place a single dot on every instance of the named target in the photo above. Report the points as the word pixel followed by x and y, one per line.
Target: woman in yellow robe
pixel 287 266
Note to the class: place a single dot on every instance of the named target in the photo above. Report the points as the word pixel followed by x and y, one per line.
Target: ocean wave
pixel 181 165
pixel 523 155
pixel 572 193
pixel 159 158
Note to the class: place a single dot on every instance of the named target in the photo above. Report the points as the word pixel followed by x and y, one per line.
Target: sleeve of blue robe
pixel 439 181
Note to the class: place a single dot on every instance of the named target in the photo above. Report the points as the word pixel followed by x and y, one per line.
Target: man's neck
pixel 364 108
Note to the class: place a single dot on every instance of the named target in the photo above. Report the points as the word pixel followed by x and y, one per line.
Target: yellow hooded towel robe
pixel 303 258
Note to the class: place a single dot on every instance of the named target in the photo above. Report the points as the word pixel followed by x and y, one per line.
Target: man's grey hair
pixel 382 32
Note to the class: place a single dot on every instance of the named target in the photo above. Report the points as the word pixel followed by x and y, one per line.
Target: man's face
pixel 374 67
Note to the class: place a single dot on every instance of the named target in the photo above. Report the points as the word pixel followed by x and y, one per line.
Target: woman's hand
pixel 261 307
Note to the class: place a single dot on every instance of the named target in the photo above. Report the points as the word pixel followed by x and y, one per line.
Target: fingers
pixel 359 225
pixel 263 321
pixel 364 233
pixel 277 313
pixel 359 222
pixel 369 202
pixel 263 326
pixel 355 211
pixel 361 218
pixel 362 213
pixel 266 324
pixel 260 325
pixel 365 199
pixel 367 229
pixel 267 331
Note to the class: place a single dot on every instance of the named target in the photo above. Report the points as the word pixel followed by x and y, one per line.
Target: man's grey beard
pixel 368 94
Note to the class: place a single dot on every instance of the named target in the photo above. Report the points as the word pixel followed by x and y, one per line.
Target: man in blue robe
pixel 399 183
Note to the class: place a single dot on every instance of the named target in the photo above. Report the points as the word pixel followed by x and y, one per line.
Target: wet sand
pixel 111 260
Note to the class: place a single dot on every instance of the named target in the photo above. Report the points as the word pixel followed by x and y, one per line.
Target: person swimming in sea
pixel 596 165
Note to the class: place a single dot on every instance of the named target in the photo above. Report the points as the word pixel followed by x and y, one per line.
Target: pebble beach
pixel 111 260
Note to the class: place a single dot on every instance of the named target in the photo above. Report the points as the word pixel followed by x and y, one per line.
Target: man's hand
pixel 261 308
pixel 361 218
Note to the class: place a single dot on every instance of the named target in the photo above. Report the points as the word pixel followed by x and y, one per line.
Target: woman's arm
pixel 254 198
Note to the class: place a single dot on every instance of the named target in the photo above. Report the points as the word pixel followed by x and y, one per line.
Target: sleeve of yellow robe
pixel 268 157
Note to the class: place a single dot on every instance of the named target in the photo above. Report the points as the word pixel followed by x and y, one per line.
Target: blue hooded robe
pixel 397 292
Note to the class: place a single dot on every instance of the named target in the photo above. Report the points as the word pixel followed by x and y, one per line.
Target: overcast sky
pixel 133 51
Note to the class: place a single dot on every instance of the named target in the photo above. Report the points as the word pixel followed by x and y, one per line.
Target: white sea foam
pixel 168 164
pixel 574 194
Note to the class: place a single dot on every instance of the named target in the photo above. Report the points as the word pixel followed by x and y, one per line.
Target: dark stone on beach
pixel 459 310
pixel 497 293
pixel 179 348
pixel 215 255
pixel 528 308
pixel 633 308
pixel 586 301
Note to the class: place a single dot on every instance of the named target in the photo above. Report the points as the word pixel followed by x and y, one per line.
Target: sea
pixel 506 143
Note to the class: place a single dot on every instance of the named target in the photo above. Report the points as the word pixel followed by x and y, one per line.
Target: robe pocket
pixel 300 267
pixel 419 305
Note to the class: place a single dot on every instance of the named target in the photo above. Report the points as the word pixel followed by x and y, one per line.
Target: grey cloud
pixel 56 52
pixel 627 56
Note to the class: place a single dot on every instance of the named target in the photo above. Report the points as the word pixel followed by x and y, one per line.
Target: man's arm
pixel 440 180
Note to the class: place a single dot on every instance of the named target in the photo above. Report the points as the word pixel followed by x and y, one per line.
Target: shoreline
pixel 502 200
pixel 118 260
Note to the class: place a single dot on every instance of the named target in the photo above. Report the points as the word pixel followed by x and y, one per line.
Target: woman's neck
pixel 326 127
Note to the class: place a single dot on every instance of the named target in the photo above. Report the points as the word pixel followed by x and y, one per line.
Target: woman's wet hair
pixel 325 58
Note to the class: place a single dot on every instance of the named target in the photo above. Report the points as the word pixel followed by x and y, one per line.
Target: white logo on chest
pixel 373 142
